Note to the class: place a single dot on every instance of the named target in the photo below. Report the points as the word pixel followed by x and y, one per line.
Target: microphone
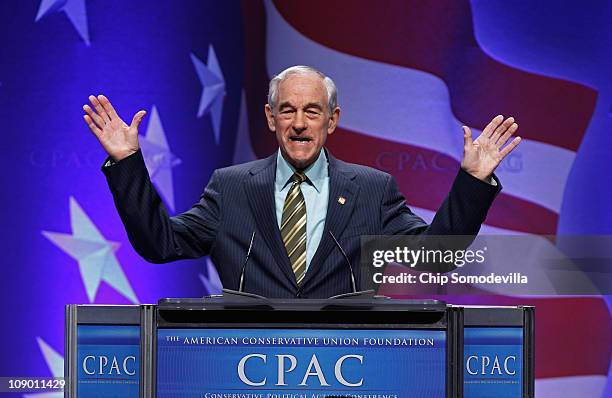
pixel 353 284
pixel 362 294
pixel 240 295
pixel 246 260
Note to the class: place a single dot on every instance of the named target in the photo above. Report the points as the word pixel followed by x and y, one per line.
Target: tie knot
pixel 298 177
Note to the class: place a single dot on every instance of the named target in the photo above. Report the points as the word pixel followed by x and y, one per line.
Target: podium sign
pixel 109 358
pixel 103 351
pixel 498 352
pixel 493 362
pixel 222 362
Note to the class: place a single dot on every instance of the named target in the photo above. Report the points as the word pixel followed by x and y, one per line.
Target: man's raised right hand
pixel 118 139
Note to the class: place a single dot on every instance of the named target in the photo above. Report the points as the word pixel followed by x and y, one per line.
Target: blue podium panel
pixel 108 361
pixel 493 362
pixel 300 363
pixel 498 352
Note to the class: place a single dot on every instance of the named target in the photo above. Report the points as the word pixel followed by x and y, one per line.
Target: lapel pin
pixel 341 200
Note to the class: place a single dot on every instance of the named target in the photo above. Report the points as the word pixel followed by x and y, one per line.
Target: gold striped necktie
pixel 293 226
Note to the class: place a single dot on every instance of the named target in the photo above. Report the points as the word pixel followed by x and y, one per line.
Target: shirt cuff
pixel 109 162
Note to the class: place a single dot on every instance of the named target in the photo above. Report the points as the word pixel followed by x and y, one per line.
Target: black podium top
pixel 373 304
pixel 231 311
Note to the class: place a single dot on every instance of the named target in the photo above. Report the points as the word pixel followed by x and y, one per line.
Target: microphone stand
pixel 355 294
pixel 240 294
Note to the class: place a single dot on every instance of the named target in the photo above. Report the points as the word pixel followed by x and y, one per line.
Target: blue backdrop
pixel 142 55
pixel 200 69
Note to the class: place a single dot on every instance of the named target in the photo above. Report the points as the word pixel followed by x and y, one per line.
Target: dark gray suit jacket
pixel 240 199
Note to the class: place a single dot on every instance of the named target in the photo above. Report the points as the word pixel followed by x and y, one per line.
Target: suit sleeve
pixel 156 236
pixel 466 206
pixel 462 212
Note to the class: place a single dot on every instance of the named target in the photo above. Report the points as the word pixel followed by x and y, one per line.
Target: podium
pixel 231 347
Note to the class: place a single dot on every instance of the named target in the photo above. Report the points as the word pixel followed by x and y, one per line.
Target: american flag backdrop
pixel 409 74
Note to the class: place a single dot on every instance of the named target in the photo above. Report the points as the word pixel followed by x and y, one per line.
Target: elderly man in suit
pixel 296 202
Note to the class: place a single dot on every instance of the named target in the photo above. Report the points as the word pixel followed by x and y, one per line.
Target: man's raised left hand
pixel 482 155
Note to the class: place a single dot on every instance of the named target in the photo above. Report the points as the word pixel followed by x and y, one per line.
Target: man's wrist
pixel 118 157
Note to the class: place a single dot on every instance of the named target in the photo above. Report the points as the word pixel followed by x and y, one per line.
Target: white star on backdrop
pixel 158 158
pixel 95 255
pixel 213 89
pixel 212 283
pixel 55 362
pixel 74 10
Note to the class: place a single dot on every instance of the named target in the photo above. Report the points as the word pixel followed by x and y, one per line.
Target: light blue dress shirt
pixel 316 195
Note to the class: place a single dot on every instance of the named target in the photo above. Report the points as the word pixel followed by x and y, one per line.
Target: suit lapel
pixel 343 194
pixel 259 189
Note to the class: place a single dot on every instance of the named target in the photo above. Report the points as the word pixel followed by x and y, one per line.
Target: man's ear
pixel 333 121
pixel 270 118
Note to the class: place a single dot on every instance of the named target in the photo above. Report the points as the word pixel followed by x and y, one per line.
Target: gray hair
pixel 330 86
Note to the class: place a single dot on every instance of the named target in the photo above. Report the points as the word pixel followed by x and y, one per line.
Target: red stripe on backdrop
pixel 425 177
pixel 437 37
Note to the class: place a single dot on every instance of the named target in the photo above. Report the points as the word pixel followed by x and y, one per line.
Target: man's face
pixel 301 120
